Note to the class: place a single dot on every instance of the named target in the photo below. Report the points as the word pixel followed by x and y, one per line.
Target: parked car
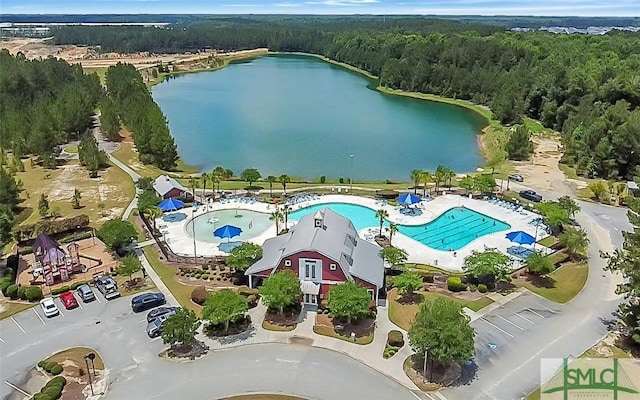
pixel 49 308
pixel 68 300
pixel 531 195
pixel 107 286
pixel 156 312
pixel 146 301
pixel 155 327
pixel 516 177
pixel 85 293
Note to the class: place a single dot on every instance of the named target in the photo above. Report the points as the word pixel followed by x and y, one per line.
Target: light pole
pixel 193 226
pixel 426 357
pixel 88 357
pixel 351 174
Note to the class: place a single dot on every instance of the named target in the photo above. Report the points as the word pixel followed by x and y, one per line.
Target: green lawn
pixel 71 149
pixel 402 314
pixel 563 284
pixel 328 331
pixel 181 292
pixel 548 241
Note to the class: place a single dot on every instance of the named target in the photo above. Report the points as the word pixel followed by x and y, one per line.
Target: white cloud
pixel 343 3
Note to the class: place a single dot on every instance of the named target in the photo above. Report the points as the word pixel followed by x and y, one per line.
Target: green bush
pixel 197 276
pixel 34 293
pixel 482 288
pixel 48 365
pixel 41 364
pixel 222 268
pixel 59 290
pixel 395 339
pixel 22 293
pixel 455 284
pixel 246 291
pixel 204 276
pixel 4 284
pixel 12 291
pixel 427 277
pixel 58 380
pixel 76 285
pixel 56 370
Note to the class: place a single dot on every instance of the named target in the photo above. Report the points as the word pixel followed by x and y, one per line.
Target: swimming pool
pixel 452 230
pixel 252 224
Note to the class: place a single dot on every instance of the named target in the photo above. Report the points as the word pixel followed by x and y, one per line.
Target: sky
pixel 600 8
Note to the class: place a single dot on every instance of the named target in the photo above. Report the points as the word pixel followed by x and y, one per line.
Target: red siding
pixel 327 274
pixel 173 193
pixel 364 283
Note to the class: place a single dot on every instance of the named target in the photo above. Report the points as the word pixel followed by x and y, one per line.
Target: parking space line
pixel 18 325
pixel 60 311
pixel 512 323
pixel 1 340
pixel 17 388
pixel 497 327
pixel 156 339
pixel 98 299
pixel 539 315
pixel 39 317
pixel 526 319
pixel 142 320
pixel 547 308
pixel 80 305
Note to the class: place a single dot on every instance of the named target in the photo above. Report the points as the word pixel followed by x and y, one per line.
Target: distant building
pixel 167 187
pixel 323 250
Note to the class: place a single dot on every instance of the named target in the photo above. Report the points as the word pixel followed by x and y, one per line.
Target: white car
pixel 49 308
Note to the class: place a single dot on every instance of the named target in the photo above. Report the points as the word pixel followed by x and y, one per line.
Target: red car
pixel 68 300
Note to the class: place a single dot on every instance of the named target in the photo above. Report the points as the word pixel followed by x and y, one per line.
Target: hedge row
pixel 51 367
pixel 13 291
pixel 27 232
pixel 455 284
pixel 52 390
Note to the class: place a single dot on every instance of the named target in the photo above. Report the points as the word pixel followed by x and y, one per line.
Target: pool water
pixel 252 224
pixel 452 230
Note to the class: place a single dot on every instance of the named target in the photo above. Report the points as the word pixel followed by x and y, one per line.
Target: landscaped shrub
pixel 4 284
pixel 246 291
pixel 197 276
pixel 455 284
pixel 427 277
pixel 50 227
pixel 56 370
pixel 52 390
pixel 59 290
pixel 34 293
pixel 205 267
pixel 222 268
pixel 199 295
pixel 76 285
pixel 252 300
pixel 12 291
pixel 204 276
pixel 395 339
pixel 482 288
pixel 218 279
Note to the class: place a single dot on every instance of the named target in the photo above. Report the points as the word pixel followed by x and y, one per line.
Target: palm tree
pixel 217 175
pixel 440 175
pixel 425 177
pixel 286 209
pixel 153 213
pixel 215 179
pixel 277 217
pixel 415 177
pixel 393 228
pixel 271 179
pixel 205 178
pixel 382 215
pixel 449 174
pixel 284 179
pixel 193 182
pixel 575 241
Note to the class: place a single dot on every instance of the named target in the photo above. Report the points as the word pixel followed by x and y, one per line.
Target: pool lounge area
pixel 454 219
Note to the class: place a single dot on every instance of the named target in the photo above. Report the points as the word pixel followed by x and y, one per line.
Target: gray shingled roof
pixel 337 239
pixel 164 184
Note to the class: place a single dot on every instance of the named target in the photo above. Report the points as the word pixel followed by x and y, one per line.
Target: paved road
pixel 136 371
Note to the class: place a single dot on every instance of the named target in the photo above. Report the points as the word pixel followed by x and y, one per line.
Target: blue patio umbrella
pixel 408 199
pixel 521 237
pixel 227 231
pixel 170 204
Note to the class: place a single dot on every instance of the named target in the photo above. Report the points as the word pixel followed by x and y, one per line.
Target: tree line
pixel 43 103
pixel 129 100
pixel 584 86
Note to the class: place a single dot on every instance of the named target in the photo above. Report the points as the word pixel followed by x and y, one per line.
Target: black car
pixel 146 301
pixel 531 195
pixel 156 312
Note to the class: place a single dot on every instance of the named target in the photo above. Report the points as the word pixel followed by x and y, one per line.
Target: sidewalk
pixel 498 301
pixel 370 354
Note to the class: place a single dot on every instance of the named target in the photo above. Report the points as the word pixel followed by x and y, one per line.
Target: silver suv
pixel 107 286
pixel 154 328
pixel 85 293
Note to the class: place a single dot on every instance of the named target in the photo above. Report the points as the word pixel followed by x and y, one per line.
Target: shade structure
pixel 170 204
pixel 408 199
pixel 521 237
pixel 227 231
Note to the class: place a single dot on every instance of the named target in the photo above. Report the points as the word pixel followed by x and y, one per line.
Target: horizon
pixel 487 8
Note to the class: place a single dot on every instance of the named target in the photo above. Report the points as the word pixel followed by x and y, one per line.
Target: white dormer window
pixel 287 263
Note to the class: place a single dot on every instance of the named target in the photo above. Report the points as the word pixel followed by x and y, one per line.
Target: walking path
pixel 370 354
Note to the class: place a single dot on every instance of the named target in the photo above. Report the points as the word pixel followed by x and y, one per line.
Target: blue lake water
pixel 304 117
pixel 454 229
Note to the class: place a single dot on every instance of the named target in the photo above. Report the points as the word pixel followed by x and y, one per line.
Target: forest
pixel 586 87
pixel 129 101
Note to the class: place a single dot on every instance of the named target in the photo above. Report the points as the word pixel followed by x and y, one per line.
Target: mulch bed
pixel 235 328
pixel 192 351
pixel 288 318
pixel 361 328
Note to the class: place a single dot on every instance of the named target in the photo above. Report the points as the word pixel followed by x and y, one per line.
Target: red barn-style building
pixel 323 249
pixel 167 187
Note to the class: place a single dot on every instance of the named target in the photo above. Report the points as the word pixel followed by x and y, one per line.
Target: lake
pixel 305 117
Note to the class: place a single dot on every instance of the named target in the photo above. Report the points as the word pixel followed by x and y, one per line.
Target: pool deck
pixel 181 243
